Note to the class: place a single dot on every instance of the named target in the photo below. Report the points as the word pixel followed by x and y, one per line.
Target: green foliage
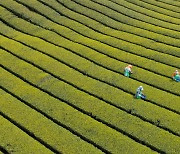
pixel 56 136
pixel 69 93
pixel 86 126
pixel 135 5
pixel 172 87
pixel 15 140
pixel 75 79
pixel 164 5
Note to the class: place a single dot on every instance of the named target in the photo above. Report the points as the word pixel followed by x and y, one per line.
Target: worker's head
pixel 141 87
pixel 130 66
pixel 177 72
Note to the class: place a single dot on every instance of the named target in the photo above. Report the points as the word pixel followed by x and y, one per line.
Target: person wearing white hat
pixel 128 71
pixel 176 76
pixel 139 94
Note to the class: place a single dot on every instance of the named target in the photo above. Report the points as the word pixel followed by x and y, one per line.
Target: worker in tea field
pixel 176 76
pixel 139 94
pixel 128 71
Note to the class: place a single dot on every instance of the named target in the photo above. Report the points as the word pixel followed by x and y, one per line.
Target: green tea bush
pixel 63 140
pixel 58 137
pixel 63 80
pixel 116 23
pixel 54 41
pixel 117 11
pixel 174 3
pixel 135 5
pixel 69 33
pixel 118 98
pixel 96 107
pixel 154 8
pixel 44 33
pixel 13 139
pixel 164 5
pixel 106 30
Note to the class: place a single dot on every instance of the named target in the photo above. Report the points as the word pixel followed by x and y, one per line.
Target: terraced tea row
pixel 113 65
pixel 89 22
pixel 176 88
pixel 71 78
pixel 54 54
pixel 132 15
pixel 122 28
pixel 61 57
pixel 80 40
pixel 133 5
pixel 177 59
pixel 165 100
pixel 94 107
pixel 154 8
pixel 163 5
pixel 95 36
pixel 13 139
pixel 113 19
pixel 37 126
pixel 58 137
pixel 91 129
pixel 82 65
pixel 149 76
pixel 175 3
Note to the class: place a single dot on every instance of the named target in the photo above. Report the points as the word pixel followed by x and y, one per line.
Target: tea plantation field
pixel 62 87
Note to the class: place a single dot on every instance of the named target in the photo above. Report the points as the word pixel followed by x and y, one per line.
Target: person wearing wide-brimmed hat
pixel 128 71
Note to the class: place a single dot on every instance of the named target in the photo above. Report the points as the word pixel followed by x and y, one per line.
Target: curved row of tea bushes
pixel 73 13
pixel 81 29
pixel 112 18
pixel 143 10
pixel 30 57
pixel 113 65
pixel 172 87
pixel 147 34
pixel 95 131
pixel 155 8
pixel 31 68
pixel 51 37
pixel 13 139
pixel 55 135
pixel 88 67
pixel 98 109
pixel 175 3
pixel 108 49
pixel 162 5
pixel 102 60
pixel 119 10
pixel 42 9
